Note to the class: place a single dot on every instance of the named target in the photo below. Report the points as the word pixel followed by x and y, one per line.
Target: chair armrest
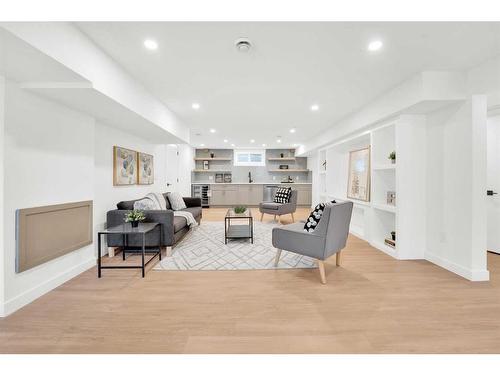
pixel 192 202
pixel 164 217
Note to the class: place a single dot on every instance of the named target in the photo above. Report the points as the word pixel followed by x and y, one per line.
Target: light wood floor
pixel 372 304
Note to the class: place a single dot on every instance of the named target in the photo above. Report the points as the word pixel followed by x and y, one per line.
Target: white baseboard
pixel 32 294
pixel 469 274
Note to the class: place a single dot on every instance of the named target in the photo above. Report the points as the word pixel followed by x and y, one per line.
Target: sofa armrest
pixel 192 202
pixel 164 217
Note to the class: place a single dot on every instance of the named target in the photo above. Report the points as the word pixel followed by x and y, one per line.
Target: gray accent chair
pixel 329 237
pixel 278 209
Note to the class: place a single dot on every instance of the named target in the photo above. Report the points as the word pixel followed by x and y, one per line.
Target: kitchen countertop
pixel 251 183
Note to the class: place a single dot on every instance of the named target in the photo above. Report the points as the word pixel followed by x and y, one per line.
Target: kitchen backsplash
pixel 259 174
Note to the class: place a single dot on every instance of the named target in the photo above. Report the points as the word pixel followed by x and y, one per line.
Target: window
pixel 250 158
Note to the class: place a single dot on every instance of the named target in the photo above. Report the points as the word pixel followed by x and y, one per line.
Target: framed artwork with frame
pixel 145 169
pixel 124 166
pixel 358 183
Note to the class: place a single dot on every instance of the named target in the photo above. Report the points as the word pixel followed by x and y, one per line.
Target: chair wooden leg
pixel 338 258
pixel 261 216
pixel 169 251
pixel 321 267
pixel 293 219
pixel 276 261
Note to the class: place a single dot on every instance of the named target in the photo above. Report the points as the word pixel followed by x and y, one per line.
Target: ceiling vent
pixel 243 45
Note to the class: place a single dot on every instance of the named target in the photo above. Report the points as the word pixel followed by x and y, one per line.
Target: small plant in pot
pixel 239 209
pixel 134 217
pixel 392 157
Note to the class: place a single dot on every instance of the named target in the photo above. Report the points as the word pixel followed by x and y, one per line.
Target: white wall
pixel 53 154
pixel 106 195
pixel 2 248
pixel 456 185
pixel 48 159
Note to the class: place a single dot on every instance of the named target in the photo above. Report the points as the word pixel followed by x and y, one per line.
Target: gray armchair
pixel 278 209
pixel 328 238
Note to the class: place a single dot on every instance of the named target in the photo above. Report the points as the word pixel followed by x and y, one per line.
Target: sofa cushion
pixel 179 223
pixel 271 205
pixel 126 205
pixel 167 202
pixel 196 211
pixel 176 201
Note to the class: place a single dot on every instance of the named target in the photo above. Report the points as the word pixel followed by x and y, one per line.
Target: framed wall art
pixel 124 166
pixel 145 169
pixel 358 184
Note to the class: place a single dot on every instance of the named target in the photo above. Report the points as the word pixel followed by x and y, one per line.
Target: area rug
pixel 203 248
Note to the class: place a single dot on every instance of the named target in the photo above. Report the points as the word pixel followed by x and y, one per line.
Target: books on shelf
pixel 390 242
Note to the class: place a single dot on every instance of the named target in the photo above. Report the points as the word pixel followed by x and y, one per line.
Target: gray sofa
pixel 278 209
pixel 329 237
pixel 170 231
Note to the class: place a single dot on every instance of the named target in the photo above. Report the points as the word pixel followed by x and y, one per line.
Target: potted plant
pixel 282 155
pixel 134 217
pixel 392 157
pixel 212 155
pixel 239 209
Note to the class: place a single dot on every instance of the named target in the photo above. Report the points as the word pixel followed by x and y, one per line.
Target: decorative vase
pixel 282 155
pixel 135 224
pixel 393 235
pixel 212 155
pixel 393 161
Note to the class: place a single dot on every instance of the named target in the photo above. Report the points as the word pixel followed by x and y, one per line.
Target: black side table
pixel 126 229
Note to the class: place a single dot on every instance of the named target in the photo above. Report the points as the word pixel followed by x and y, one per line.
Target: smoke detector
pixel 243 45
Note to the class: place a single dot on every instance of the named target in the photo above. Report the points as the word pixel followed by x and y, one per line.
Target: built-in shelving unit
pixel 220 163
pixel 374 221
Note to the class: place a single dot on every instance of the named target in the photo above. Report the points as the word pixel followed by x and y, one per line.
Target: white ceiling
pixel 262 94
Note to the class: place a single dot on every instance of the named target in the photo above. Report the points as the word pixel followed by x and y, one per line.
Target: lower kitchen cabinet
pixel 251 194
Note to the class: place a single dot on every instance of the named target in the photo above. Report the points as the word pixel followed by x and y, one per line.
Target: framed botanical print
pixel 358 183
pixel 124 166
pixel 145 169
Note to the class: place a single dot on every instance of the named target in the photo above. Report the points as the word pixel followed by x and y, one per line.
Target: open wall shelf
pixel 374 220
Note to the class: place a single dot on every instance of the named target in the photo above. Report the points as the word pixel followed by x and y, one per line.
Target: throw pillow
pixel 314 218
pixel 176 201
pixel 145 204
pixel 282 195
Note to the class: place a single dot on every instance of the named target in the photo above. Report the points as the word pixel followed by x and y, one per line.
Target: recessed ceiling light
pixel 292 130
pixel 278 140
pixel 295 144
pixel 263 145
pixel 151 44
pixel 252 140
pixel 202 144
pixel 232 144
pixel 212 130
pixel 314 107
pixel 225 140
pixel 375 45
pixel 195 106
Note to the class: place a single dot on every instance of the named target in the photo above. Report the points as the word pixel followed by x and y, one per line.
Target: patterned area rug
pixel 203 249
